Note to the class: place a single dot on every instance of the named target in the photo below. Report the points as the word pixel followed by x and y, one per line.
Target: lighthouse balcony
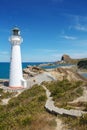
pixel 16 40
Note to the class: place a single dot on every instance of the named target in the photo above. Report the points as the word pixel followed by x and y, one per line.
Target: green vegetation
pixel 79 123
pixel 26 112
pixel 82 64
pixel 4 94
pixel 82 105
pixel 64 91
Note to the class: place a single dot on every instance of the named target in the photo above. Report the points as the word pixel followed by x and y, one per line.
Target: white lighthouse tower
pixel 16 78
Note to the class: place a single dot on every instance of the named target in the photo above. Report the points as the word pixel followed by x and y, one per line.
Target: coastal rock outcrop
pixel 65 58
pixel 31 71
pixel 68 60
pixel 58 73
pixel 65 73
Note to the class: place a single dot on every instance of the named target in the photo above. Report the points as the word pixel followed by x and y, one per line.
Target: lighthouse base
pixel 22 86
pixel 16 87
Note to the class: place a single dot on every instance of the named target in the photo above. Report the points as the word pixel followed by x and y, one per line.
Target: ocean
pixel 5 67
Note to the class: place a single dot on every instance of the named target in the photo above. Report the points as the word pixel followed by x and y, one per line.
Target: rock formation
pixel 31 71
pixel 58 73
pixel 63 73
pixel 67 59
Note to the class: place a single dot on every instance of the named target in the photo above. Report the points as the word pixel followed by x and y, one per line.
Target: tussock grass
pixel 4 94
pixel 74 123
pixel 26 112
pixel 64 91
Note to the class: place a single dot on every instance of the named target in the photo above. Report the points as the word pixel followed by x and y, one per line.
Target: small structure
pixel 16 77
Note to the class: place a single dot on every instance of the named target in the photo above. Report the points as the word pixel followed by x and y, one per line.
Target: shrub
pixel 83 119
pixel 42 98
pixel 64 91
pixel 24 110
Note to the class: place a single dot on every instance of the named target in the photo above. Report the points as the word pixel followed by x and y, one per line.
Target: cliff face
pixel 67 59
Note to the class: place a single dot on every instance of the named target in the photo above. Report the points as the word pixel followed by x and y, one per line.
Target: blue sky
pixel 50 28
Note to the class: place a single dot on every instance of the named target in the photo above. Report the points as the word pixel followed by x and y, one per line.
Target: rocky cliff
pixel 67 59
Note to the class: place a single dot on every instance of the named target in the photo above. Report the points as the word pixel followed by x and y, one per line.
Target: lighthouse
pixel 16 77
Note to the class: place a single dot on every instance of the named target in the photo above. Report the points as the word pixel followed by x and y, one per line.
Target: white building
pixel 16 77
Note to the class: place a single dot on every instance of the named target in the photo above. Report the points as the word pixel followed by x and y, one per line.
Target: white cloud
pixel 81 27
pixel 76 18
pixel 69 37
pixel 77 22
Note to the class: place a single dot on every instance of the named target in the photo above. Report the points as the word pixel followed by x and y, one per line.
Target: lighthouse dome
pixel 16 38
pixel 16 31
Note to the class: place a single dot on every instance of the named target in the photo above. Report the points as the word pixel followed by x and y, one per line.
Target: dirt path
pixel 83 98
pixel 6 100
pixel 59 124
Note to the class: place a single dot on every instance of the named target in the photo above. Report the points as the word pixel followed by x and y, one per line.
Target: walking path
pixel 60 125
pixel 38 79
pixel 5 101
pixel 83 98
pixel 55 110
pixel 49 103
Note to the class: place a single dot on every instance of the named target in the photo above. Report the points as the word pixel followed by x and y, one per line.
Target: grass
pixel 64 91
pixel 73 123
pixel 4 94
pixel 80 104
pixel 26 112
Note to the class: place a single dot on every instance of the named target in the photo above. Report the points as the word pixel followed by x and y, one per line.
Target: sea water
pixel 5 67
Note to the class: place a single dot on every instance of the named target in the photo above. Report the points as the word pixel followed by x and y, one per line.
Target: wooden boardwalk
pixel 51 107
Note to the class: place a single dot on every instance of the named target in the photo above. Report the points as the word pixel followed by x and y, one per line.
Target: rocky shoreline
pixel 65 72
pixel 68 72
